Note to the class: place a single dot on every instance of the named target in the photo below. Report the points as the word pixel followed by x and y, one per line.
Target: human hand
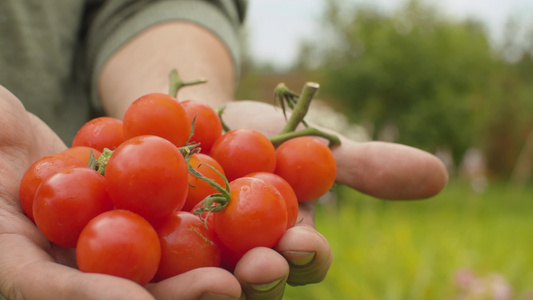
pixel 32 267
pixel 303 256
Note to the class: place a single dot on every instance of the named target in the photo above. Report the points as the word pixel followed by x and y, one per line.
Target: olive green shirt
pixel 51 51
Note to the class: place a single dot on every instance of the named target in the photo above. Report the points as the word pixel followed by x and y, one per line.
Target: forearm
pixel 143 64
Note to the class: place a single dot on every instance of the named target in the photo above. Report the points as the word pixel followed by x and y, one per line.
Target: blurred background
pixel 452 77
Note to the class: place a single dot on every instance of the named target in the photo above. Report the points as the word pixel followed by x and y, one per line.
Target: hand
pixel 303 256
pixel 32 267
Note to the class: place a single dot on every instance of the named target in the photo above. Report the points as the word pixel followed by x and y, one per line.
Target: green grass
pixel 412 250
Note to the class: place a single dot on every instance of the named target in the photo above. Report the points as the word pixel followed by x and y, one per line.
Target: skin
pixel 34 269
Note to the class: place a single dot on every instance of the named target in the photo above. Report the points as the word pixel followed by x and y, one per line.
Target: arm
pixel 143 64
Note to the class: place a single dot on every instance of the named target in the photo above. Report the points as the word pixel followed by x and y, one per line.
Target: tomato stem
pixel 309 131
pixel 302 106
pixel 220 111
pixel 102 160
pixel 214 202
pixel 176 83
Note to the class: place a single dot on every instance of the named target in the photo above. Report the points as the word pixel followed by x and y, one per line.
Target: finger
pixel 305 249
pixel 382 170
pixel 202 283
pixel 389 171
pixel 39 278
pixel 262 273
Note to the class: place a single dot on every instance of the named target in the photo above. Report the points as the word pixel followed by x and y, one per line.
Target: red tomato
pixel 82 153
pixel 119 243
pixel 255 216
pixel 157 114
pixel 243 151
pixel 199 188
pixel 286 191
pixel 308 165
pixel 147 175
pixel 228 258
pixel 36 173
pixel 186 244
pixel 207 125
pixel 100 133
pixel 66 201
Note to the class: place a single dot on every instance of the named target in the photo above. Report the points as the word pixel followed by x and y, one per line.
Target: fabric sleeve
pixel 119 21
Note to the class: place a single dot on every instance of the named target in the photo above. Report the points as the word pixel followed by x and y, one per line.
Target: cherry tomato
pixel 199 188
pixel 186 244
pixel 147 175
pixel 308 166
pixel 243 151
pixel 36 173
pixel 66 201
pixel 207 125
pixel 100 133
pixel 157 114
pixel 255 216
pixel 119 243
pixel 286 191
pixel 228 258
pixel 82 153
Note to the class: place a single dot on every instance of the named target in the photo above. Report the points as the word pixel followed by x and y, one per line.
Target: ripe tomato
pixel 199 188
pixel 82 153
pixel 36 173
pixel 243 151
pixel 147 175
pixel 119 243
pixel 207 125
pixel 157 114
pixel 186 244
pixel 100 133
pixel 255 216
pixel 308 166
pixel 286 191
pixel 228 258
pixel 66 201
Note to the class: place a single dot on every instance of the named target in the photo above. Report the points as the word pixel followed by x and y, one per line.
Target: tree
pixel 413 68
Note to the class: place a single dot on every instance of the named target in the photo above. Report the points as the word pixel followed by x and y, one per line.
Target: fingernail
pixel 264 287
pixel 213 296
pixel 299 258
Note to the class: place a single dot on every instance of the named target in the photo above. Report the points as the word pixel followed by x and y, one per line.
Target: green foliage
pixel 438 80
pixel 412 69
pixel 414 250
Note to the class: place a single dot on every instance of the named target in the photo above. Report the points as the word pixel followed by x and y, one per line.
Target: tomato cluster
pixel 166 190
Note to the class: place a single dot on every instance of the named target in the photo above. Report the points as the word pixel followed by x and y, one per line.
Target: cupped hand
pixel 33 268
pixel 303 256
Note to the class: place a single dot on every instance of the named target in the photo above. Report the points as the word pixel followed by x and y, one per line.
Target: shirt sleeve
pixel 119 21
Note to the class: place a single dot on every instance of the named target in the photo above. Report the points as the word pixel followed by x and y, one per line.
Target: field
pixel 456 245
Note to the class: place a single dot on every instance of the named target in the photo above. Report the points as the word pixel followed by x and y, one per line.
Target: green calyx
pixel 214 202
pixel 99 164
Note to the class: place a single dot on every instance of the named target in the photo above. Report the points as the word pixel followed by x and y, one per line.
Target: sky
pixel 276 26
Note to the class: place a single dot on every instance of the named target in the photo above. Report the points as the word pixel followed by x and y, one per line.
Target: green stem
pixel 220 111
pixel 102 160
pixel 309 131
pixel 176 83
pixel 302 106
